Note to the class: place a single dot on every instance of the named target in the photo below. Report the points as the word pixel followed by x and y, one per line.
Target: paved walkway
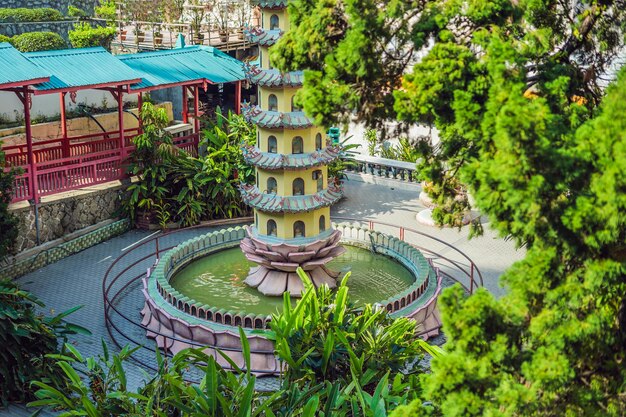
pixel 77 280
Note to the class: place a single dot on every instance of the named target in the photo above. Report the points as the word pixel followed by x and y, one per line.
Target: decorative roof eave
pixel 273 77
pixel 275 119
pixel 263 37
pixel 274 203
pixel 271 4
pixel 273 161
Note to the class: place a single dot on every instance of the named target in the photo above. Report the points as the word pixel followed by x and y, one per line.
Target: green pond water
pixel 217 280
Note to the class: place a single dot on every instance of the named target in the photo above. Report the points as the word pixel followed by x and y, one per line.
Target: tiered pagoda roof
pixel 275 119
pixel 264 37
pixel 271 4
pixel 272 161
pixel 274 78
pixel 275 203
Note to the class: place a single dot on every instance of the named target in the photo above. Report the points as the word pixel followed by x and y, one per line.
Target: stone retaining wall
pixel 62 27
pixel 65 213
pixel 17 268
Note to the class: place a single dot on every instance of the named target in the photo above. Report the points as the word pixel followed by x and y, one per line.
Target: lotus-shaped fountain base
pixel 277 263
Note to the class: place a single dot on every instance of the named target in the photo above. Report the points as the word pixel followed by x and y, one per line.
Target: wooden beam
pixel 238 97
pixel 196 108
pixel 139 107
pixel 120 119
pixel 65 140
pixel 185 109
pixel 26 100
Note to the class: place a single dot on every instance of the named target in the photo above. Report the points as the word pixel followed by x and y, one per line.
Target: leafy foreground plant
pixel 26 339
pixel 103 392
pixel 347 361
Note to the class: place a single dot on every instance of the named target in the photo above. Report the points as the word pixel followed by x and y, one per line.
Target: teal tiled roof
pixel 262 36
pixel 271 4
pixel 74 69
pixel 275 203
pixel 271 161
pixel 275 119
pixel 192 63
pixel 274 78
pixel 16 70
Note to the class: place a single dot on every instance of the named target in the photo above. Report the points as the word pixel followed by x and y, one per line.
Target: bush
pixel 85 36
pixel 8 222
pixel 164 188
pixel 4 38
pixel 27 338
pixel 29 15
pixel 107 10
pixel 38 41
pixel 73 11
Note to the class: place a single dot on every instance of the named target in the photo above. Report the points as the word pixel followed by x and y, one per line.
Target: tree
pixel 516 92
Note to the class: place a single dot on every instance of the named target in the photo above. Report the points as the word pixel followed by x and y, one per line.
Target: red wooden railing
pixel 93 159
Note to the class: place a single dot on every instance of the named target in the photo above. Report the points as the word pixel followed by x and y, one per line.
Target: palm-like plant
pixel 26 338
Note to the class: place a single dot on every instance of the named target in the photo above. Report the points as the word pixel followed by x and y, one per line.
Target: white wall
pixel 50 104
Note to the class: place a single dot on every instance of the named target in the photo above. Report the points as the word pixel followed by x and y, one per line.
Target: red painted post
pixel 64 139
pixel 238 97
pixel 196 109
pixel 402 233
pixel 185 107
pixel 120 120
pixel 29 145
pixel 371 225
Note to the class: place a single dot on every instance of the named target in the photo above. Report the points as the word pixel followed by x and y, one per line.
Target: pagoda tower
pixel 293 194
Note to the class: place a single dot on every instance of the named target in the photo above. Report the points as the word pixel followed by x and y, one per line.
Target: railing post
pixel 472 278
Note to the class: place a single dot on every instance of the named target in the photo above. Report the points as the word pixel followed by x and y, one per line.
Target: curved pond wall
pixel 169 313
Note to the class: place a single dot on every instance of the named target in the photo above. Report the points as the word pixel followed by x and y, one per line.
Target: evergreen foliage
pixel 515 90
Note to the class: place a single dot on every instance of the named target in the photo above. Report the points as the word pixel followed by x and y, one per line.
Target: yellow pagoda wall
pixel 285 137
pixel 285 222
pixel 283 97
pixel 284 180
pixel 283 21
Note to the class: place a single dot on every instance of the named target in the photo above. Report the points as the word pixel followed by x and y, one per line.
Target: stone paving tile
pixel 77 280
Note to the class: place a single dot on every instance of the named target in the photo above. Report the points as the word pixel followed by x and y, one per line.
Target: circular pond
pixel 217 280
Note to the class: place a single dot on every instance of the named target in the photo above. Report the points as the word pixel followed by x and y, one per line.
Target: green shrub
pixel 85 36
pixel 107 10
pixel 73 11
pixel 325 332
pixel 27 338
pixel 29 15
pixel 4 38
pixel 38 41
pixel 164 189
pixel 8 222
